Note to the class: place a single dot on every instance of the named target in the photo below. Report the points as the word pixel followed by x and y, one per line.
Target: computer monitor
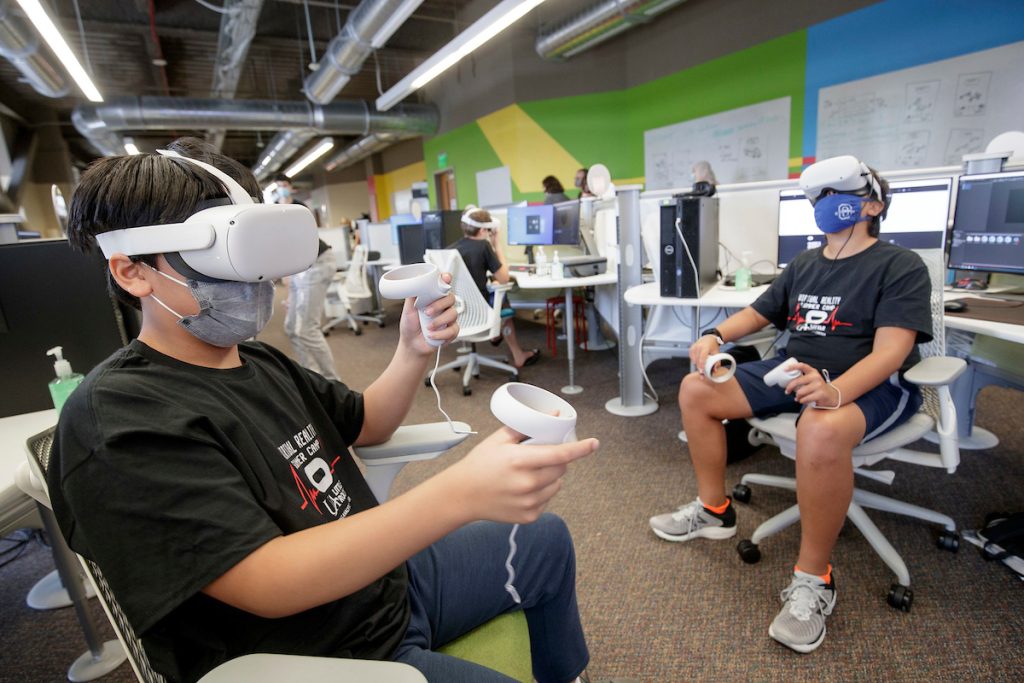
pixel 401 219
pixel 567 223
pixel 988 224
pixel 51 295
pixel 378 239
pixel 531 225
pixel 917 218
pixel 411 243
pixel 443 228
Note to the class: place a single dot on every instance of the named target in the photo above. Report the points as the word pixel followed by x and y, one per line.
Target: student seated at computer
pixel 481 251
pixel 855 310
pixel 210 478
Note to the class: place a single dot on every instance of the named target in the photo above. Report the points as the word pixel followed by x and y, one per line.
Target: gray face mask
pixel 229 312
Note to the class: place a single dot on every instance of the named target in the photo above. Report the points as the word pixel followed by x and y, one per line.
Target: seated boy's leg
pixel 459 583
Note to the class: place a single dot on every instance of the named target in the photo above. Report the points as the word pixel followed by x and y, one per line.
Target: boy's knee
pixel 823 437
pixel 695 393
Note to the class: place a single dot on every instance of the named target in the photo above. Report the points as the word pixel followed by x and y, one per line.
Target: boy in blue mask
pixel 855 310
pixel 210 478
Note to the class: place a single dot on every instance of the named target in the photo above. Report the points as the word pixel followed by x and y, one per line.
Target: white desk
pixel 719 296
pixel 527 280
pixel 376 269
pixel 14 433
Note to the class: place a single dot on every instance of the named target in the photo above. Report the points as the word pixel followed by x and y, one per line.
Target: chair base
pixel 50 593
pixel 472 362
pixel 91 666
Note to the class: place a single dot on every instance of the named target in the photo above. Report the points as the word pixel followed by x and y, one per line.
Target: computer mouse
pixel 955 306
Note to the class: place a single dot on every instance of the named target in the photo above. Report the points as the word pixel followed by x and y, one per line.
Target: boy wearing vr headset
pixel 209 477
pixel 855 310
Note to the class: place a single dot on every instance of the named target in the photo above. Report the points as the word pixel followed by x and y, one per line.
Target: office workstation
pixel 481 341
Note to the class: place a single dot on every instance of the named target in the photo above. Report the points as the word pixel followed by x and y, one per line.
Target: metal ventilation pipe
pixel 595 24
pixel 237 29
pixel 360 149
pixel 20 45
pixel 102 124
pixel 280 149
pixel 368 27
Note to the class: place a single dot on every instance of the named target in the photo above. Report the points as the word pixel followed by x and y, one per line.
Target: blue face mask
pixel 837 212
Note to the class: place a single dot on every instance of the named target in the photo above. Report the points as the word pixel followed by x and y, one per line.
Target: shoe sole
pixel 716 533
pixel 797 647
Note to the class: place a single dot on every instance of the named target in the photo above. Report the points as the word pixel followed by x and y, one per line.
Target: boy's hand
pixel 811 388
pixel 442 324
pixel 505 481
pixel 706 346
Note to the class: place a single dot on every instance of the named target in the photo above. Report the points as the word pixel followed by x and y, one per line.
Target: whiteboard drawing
pixel 963 141
pixel 849 109
pixel 913 148
pixel 744 144
pixel 921 99
pixel 972 94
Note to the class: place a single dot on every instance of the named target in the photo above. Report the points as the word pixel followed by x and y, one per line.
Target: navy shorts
pixel 888 405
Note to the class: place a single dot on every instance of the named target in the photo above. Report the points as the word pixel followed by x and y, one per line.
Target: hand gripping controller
pixel 529 410
pixel 782 375
pixel 421 280
pixel 726 366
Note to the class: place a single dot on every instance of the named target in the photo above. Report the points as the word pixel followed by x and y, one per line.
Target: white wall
pixel 343 200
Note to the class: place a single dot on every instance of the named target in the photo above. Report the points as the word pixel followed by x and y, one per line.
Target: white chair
pixel 382 461
pixel 934 374
pixel 479 321
pixel 350 297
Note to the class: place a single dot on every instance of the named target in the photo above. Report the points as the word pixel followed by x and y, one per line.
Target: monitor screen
pixel 531 225
pixel 988 226
pixel 917 218
pixel 567 223
pixel 444 228
pixel 400 219
pixel 411 243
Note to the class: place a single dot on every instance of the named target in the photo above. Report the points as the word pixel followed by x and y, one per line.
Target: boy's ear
pixel 873 208
pixel 129 276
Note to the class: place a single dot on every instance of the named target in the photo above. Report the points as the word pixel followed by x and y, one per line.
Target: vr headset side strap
pixel 157 239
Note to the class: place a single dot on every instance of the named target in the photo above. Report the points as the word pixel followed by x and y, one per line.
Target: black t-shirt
pixel 167 475
pixel 479 258
pixel 832 308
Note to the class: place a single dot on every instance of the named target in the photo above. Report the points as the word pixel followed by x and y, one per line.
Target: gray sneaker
pixel 806 602
pixel 693 520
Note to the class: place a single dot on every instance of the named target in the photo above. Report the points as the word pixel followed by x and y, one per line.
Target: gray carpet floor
pixel 658 611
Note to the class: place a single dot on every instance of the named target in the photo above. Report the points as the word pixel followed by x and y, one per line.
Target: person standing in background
pixel 581 183
pixel 553 190
pixel 306 294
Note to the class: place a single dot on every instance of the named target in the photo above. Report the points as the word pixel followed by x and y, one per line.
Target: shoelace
pixel 806 595
pixel 688 512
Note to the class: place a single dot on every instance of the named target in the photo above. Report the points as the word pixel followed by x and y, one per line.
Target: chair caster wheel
pixel 358 331
pixel 900 597
pixel 741 493
pixel 466 391
pixel 948 540
pixel 476 375
pixel 381 324
pixel 515 377
pixel 426 382
pixel 749 552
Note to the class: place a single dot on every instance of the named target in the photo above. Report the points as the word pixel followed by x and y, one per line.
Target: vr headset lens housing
pixel 842 175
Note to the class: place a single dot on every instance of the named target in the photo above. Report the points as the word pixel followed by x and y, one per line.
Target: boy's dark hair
pixel 551 185
pixel 122 192
pixel 481 216
pixel 876 222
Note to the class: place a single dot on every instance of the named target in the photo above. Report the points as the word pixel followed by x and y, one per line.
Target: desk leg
pixel 596 341
pixel 570 334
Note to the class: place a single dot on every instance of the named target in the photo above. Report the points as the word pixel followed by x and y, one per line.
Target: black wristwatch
pixel 713 331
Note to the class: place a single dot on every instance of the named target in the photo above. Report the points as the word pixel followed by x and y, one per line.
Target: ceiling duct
pixel 280 149
pixel 361 149
pixel 596 24
pixel 20 45
pixel 237 29
pixel 367 28
pixel 102 123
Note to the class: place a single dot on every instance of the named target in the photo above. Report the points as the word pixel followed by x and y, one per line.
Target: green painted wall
pixel 468 153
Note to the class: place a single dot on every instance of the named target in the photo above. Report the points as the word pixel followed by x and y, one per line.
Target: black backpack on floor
pixel 1004 536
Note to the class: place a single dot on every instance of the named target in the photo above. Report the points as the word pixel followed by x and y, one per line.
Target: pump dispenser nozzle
pixel 60 366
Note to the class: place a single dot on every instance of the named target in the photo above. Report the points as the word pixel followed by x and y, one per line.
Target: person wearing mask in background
pixel 855 310
pixel 581 183
pixel 553 191
pixel 307 292
pixel 482 253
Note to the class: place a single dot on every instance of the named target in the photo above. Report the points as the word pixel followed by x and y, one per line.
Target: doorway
pixel 444 187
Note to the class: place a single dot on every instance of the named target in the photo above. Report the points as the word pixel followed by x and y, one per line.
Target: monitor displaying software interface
pixel 917 218
pixel 988 225
pixel 552 224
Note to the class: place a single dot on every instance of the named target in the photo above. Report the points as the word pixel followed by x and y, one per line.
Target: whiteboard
pixel 494 187
pixel 743 145
pixel 925 116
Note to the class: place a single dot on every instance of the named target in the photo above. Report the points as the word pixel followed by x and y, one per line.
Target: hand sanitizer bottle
pixel 556 267
pixel 743 273
pixel 67 380
pixel 542 262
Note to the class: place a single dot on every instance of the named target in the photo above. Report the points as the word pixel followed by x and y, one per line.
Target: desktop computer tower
pixel 698 222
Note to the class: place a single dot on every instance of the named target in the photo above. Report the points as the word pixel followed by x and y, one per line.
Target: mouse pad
pixel 1011 312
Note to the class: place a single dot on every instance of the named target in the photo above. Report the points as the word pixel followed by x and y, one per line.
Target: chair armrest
pixel 936 371
pixel 498 287
pixel 267 668
pixel 411 440
pixel 30 484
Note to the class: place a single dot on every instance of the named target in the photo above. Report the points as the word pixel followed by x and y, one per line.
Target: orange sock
pixel 825 578
pixel 717 510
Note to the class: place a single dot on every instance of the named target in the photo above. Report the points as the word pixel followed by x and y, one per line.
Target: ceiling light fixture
pixel 313 155
pixel 51 34
pixel 503 15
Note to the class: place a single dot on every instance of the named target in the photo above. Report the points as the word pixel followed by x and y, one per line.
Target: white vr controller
pixel 530 410
pixel 421 280
pixel 782 375
pixel 726 367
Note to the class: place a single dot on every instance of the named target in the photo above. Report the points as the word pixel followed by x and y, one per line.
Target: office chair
pixel 479 321
pixel 934 374
pixel 350 297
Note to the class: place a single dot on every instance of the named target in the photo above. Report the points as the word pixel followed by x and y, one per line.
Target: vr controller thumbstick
pixel 783 374
pixel 421 280
pixel 530 411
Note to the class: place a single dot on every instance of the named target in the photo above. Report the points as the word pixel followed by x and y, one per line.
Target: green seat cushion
pixel 502 644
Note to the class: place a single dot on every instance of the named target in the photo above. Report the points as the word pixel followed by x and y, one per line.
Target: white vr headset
pixel 242 241
pixel 489 225
pixel 845 175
